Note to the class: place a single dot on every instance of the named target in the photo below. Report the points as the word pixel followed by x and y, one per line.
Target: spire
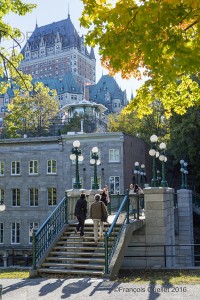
pixel 92 56
pixel 36 25
pixel 131 95
pixel 68 11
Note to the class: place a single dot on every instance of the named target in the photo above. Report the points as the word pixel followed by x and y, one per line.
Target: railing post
pixel 138 207
pixel 34 250
pixel 106 253
pixel 66 208
pixel 128 205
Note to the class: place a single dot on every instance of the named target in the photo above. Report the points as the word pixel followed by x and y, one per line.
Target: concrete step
pixel 75 259
pixel 79 248
pixel 82 242
pixel 68 271
pixel 71 266
pixel 91 254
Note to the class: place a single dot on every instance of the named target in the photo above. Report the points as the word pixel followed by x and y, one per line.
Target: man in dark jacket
pixel 80 213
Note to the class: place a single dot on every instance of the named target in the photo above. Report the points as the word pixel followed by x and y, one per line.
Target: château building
pixel 54 48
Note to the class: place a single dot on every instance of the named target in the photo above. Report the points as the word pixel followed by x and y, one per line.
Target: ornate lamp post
pixel 136 171
pixel 95 161
pixel 77 156
pixel 184 173
pixel 163 159
pixel 143 174
pixel 154 154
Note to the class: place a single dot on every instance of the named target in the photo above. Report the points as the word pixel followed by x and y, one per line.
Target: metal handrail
pixel 49 230
pixel 109 252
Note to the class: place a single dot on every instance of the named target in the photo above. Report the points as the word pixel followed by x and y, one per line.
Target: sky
pixel 49 11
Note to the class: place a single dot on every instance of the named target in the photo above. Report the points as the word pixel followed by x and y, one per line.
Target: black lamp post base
pixel 77 185
pixel 164 184
pixel 95 186
pixel 154 183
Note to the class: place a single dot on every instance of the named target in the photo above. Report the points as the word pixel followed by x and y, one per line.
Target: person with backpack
pixel 81 213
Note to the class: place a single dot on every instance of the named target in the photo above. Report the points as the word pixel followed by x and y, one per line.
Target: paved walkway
pixel 89 288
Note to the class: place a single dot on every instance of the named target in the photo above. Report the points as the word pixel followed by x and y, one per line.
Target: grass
pixel 161 277
pixel 14 273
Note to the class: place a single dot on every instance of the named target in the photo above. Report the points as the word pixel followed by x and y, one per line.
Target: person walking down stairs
pixel 97 212
pixel 80 213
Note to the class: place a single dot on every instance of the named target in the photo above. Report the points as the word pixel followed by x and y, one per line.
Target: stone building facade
pixel 54 48
pixel 35 172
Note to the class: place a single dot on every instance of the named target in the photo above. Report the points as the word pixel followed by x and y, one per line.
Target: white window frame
pixel 50 200
pixel 33 167
pixel 15 233
pixel 35 197
pixel 15 168
pixel 50 168
pixel 1 233
pixel 17 197
pixel 2 168
pixel 32 226
pixel 114 155
pixel 116 189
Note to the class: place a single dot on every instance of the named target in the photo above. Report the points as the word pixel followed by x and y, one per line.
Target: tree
pixel 9 61
pixel 159 39
pixel 31 114
pixel 155 123
pixel 185 140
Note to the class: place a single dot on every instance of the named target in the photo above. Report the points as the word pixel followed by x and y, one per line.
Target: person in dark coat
pixel 80 213
pixel 104 198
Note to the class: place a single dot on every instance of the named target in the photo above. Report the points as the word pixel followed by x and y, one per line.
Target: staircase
pixel 75 255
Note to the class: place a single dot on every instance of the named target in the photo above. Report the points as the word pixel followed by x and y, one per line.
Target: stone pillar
pixel 159 231
pixel 185 229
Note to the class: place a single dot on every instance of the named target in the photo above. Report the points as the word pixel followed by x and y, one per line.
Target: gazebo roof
pixel 84 103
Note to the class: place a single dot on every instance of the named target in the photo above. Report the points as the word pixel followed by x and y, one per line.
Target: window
pixel 51 166
pixel 2 168
pixel 1 196
pixel 114 155
pixel 15 233
pixel 15 168
pixel 114 186
pixel 33 197
pixel 1 233
pixel 98 181
pixel 33 167
pixel 52 196
pixel 32 226
pixel 15 197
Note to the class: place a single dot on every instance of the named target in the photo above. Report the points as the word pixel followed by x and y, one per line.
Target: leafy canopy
pixel 31 113
pixel 159 39
pixel 9 61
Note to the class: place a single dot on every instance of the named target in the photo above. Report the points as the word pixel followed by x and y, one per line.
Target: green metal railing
pixel 196 198
pixel 49 230
pixel 109 251
pixel 115 202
